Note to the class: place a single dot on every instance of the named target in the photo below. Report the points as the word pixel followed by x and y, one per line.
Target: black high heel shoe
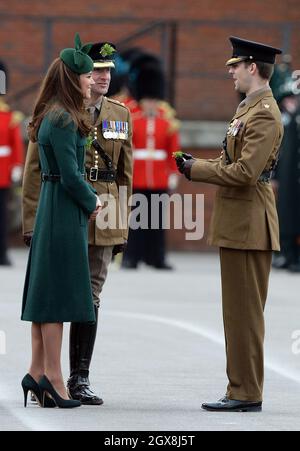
pixel 47 388
pixel 29 384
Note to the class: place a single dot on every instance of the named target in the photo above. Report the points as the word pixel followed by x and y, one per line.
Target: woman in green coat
pixel 57 285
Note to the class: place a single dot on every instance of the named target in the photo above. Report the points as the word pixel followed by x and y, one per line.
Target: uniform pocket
pixel 242 193
pixel 233 218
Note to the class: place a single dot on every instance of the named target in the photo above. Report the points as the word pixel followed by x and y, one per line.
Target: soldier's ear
pixel 253 69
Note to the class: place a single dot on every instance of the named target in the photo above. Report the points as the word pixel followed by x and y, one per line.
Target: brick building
pixel 190 35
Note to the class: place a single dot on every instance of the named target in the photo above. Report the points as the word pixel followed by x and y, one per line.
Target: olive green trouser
pixel 99 260
pixel 245 278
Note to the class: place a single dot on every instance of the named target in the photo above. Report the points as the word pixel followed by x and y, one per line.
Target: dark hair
pixel 60 92
pixel 265 70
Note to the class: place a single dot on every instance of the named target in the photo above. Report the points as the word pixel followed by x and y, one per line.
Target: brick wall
pixel 33 32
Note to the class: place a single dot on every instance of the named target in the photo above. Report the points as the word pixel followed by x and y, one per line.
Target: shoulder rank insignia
pixel 266 105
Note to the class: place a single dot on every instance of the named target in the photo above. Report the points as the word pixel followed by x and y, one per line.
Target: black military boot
pixel 82 340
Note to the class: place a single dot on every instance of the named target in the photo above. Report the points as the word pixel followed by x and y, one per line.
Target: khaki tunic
pixel 245 215
pixel 119 150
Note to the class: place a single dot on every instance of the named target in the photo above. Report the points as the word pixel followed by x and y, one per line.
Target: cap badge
pixel 107 50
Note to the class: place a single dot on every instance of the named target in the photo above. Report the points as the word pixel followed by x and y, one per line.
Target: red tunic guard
pixel 11 144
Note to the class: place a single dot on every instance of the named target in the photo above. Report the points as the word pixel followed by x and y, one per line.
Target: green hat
pixel 77 59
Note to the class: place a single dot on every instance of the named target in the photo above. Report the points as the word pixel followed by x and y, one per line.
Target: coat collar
pixel 266 93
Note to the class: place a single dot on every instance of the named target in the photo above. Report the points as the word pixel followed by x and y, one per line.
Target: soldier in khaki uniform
pixel 244 222
pixel 106 171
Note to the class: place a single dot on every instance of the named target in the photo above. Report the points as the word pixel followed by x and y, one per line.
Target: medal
pixel 125 130
pixel 105 130
pixel 113 128
pixel 234 127
pixel 237 127
pixel 117 130
pixel 121 133
pixel 231 127
pixel 118 127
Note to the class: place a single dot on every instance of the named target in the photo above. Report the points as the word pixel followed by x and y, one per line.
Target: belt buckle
pixel 94 174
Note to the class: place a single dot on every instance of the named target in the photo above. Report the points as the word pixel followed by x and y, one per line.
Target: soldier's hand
pixel 97 209
pixel 95 213
pixel 184 164
pixel 27 237
pixel 118 248
pixel 16 174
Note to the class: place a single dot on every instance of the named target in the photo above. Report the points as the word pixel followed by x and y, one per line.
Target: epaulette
pixel 16 118
pixel 265 104
pixel 174 125
pixel 3 106
pixel 116 102
pixel 169 111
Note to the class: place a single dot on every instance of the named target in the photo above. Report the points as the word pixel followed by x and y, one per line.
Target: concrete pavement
pixel 159 353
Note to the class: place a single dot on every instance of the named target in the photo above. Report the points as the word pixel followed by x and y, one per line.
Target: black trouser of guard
pixel 290 249
pixel 3 222
pixel 148 245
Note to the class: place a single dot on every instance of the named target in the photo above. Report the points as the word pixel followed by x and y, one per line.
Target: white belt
pixel 5 151
pixel 145 154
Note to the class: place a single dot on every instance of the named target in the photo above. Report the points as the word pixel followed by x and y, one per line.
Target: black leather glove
pixel 118 248
pixel 27 237
pixel 184 164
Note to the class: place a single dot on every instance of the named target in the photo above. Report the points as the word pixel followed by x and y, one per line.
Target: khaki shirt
pixel 120 152
pixel 244 215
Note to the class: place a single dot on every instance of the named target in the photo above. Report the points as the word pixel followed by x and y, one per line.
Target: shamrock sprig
pixel 89 141
pixel 107 50
pixel 177 154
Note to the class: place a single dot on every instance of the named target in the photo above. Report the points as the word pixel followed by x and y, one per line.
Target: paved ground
pixel 159 354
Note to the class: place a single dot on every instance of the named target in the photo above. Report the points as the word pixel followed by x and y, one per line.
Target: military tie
pixel 93 114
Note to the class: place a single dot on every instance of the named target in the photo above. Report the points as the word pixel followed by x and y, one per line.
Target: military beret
pixel 103 54
pixel 244 50
pixel 77 59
